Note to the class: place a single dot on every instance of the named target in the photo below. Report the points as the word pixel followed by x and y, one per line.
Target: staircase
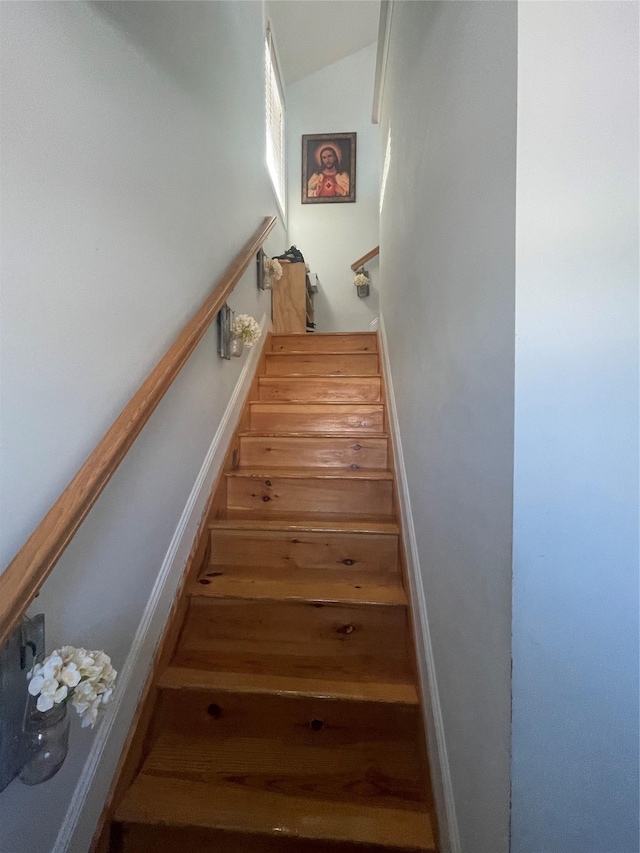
pixel 288 717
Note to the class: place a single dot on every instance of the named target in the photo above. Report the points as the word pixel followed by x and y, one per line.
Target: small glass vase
pixel 47 735
pixel 236 345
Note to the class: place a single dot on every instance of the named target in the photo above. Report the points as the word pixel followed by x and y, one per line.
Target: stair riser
pixel 326 552
pixel 324 343
pixel 144 838
pixel 299 635
pixel 342 364
pixel 286 452
pixel 298 720
pixel 273 417
pixel 317 390
pixel 359 497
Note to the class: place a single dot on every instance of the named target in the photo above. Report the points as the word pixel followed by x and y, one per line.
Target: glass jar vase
pixel 236 345
pixel 47 736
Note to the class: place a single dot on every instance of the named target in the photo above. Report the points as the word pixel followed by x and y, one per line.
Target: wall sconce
pixel 33 745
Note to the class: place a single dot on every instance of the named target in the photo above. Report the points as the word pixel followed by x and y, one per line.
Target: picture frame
pixel 328 168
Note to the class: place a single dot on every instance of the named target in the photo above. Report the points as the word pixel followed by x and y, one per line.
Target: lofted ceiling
pixel 313 33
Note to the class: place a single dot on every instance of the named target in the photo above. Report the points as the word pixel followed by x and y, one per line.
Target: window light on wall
pixel 274 105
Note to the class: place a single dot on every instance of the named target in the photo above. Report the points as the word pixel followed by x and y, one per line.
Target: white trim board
pixel 92 788
pixel 434 726
pixel 384 36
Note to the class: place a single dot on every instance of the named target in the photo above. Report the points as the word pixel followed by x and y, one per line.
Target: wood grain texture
pixel 305 523
pixel 27 572
pixel 286 552
pixel 317 417
pixel 318 389
pixel 332 641
pixel 368 492
pixel 326 342
pixel 317 363
pixel 363 260
pixel 387 692
pixel 184 802
pixel 289 300
pixel 287 719
pixel 285 451
pixel 216 582
pixel 366 772
pixel 145 838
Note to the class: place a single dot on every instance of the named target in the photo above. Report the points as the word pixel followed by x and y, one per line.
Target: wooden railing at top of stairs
pixel 363 260
pixel 23 577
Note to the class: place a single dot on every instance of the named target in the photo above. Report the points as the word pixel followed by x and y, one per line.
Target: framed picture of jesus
pixel 328 168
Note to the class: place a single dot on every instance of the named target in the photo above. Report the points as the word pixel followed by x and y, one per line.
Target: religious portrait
pixel 328 168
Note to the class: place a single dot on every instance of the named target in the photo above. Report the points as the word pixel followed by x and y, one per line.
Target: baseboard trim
pixel 93 786
pixel 434 725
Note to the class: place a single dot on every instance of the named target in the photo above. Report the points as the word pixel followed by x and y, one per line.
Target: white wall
pixel 575 582
pixel 447 261
pixel 337 99
pixel 132 172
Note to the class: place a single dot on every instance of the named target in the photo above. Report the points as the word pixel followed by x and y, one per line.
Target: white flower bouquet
pixel 85 679
pixel 247 329
pixel 360 279
pixel 273 268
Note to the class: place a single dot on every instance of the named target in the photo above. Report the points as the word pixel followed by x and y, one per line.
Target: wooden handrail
pixel 365 258
pixel 23 577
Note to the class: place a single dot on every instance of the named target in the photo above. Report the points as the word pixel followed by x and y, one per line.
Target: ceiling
pixel 313 33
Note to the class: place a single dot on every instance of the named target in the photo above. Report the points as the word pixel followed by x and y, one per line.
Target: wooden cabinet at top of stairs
pixel 292 301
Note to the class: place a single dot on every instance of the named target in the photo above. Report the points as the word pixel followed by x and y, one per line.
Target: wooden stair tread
pixel 312 473
pixel 315 353
pixel 337 763
pixel 342 378
pixel 218 583
pixel 171 801
pixel 315 406
pixel 190 678
pixel 289 521
pixel 351 436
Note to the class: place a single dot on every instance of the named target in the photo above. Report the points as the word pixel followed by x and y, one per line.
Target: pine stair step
pixel 306 523
pixel 323 341
pixel 186 678
pixel 340 641
pixel 382 475
pixel 356 389
pixel 304 554
pixel 215 582
pixel 324 418
pixel 333 763
pixel 313 450
pixel 315 489
pixel 322 363
pixel 181 802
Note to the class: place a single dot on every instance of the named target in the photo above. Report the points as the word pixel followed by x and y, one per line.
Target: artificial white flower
pixel 83 678
pixel 70 675
pixel 360 279
pixel 248 329
pixel 273 268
